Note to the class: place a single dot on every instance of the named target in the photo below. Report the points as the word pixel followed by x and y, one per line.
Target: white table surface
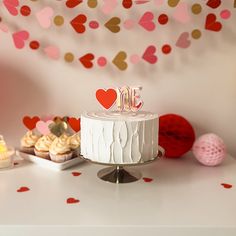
pixel 184 198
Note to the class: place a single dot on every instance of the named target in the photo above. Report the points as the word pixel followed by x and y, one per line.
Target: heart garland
pixel 146 21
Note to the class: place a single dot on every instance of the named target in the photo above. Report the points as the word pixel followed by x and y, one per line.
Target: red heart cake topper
pixel 74 124
pixel 30 123
pixel 107 97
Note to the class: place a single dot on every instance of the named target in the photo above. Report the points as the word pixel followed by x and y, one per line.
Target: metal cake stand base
pixel 118 174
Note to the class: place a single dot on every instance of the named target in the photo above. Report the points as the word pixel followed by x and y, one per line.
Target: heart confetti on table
pixel 109 6
pixel 147 180
pixel 228 186
pixel 30 123
pixel 52 52
pixel 72 200
pixel 74 123
pixel 106 98
pixel 213 3
pixel 75 173
pixel 22 189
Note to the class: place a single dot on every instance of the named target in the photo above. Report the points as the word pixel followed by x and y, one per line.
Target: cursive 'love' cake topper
pixel 126 98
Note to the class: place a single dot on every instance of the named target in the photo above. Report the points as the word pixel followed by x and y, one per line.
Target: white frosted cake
pixel 119 137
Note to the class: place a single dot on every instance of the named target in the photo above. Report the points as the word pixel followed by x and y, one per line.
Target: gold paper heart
pixel 173 3
pixel 92 3
pixel 58 128
pixel 119 60
pixel 113 24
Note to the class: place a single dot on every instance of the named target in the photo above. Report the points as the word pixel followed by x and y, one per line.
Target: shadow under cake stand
pixel 117 173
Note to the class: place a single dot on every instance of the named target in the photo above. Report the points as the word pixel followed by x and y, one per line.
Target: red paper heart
pixel 23 189
pixel 127 3
pixel 149 55
pixel 74 124
pixel 147 180
pixel 214 3
pixel 78 23
pixel 227 185
pixel 76 173
pixel 72 200
pixel 73 3
pixel 86 60
pixel 30 123
pixel 212 24
pixel 106 97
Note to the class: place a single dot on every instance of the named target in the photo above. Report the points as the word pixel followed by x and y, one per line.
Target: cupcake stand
pixel 118 173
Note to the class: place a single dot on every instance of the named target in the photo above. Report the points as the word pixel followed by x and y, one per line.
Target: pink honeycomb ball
pixel 209 149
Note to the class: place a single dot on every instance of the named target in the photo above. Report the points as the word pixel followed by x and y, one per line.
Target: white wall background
pixel 198 83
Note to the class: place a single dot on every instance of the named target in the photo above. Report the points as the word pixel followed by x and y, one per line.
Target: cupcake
pixel 74 142
pixel 28 142
pixel 60 150
pixel 42 146
pixel 5 154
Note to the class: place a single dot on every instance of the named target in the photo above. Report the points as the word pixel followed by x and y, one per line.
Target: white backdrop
pixel 198 83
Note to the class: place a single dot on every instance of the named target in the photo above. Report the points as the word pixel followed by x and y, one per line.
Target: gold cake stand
pixel 117 173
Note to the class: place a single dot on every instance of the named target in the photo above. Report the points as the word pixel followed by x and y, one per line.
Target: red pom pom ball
pixel 176 135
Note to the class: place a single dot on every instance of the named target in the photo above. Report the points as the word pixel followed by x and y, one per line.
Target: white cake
pixel 119 138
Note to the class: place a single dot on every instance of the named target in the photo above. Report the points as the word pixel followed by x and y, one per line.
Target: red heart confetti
pixel 106 97
pixel 147 180
pixel 127 3
pixel 75 173
pixel 86 60
pixel 73 3
pixel 212 24
pixel 16 163
pixel 214 3
pixel 72 200
pixel 23 189
pixel 74 124
pixel 78 23
pixel 227 185
pixel 30 123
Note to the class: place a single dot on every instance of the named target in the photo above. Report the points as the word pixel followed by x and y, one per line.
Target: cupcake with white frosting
pixel 60 150
pixel 5 154
pixel 74 142
pixel 42 146
pixel 28 142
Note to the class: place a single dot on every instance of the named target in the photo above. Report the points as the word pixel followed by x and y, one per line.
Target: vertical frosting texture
pixel 119 139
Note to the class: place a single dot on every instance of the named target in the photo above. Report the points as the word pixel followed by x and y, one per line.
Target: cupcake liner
pixel 44 155
pixel 29 150
pixel 61 157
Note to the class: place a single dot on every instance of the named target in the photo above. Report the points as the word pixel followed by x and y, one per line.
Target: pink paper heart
pixel 183 40
pixel 47 117
pixel 149 55
pixel 19 38
pixel 146 21
pixel 52 52
pixel 109 6
pixel 181 13
pixel 42 127
pixel 11 6
pixel 44 17
pixel 129 24
pixel 4 28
